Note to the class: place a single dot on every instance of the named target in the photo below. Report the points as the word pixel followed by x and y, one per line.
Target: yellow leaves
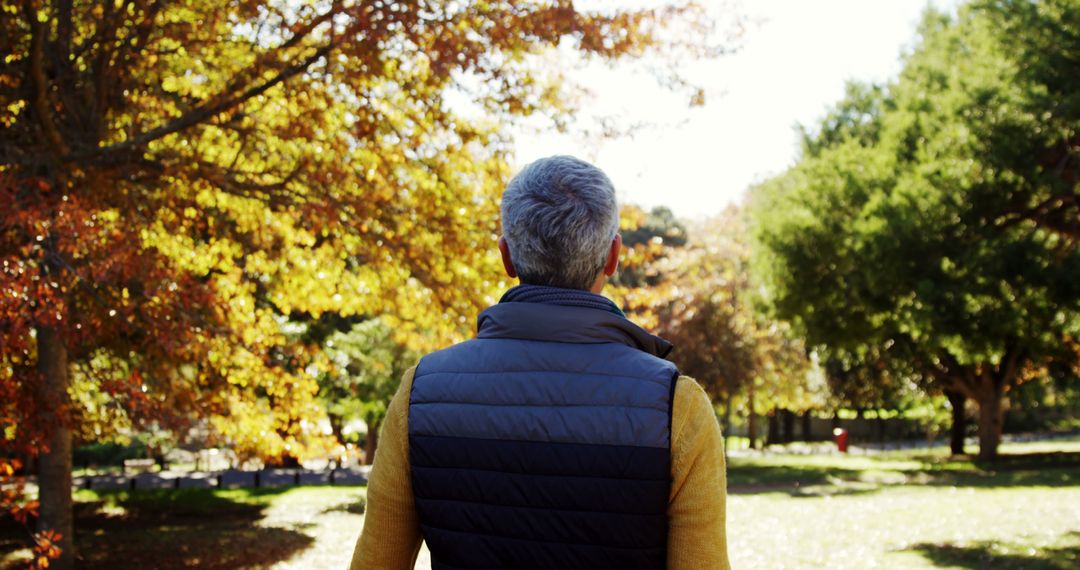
pixel 286 419
pixel 14 108
pixel 171 84
pixel 101 414
pixel 631 217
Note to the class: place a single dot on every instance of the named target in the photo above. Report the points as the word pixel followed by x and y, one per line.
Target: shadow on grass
pixel 843 475
pixel 1057 469
pixel 1031 461
pixel 753 475
pixel 994 555
pixel 355 506
pixel 182 528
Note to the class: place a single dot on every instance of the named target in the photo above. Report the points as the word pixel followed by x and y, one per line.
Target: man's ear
pixel 508 264
pixel 613 256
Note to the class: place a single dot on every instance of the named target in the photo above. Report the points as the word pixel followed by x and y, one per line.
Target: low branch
pixel 1009 366
pixel 200 114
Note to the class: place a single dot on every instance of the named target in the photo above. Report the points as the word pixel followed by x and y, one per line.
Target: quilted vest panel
pixel 533 454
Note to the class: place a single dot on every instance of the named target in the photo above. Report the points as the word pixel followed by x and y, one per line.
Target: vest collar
pixel 559 323
pixel 527 293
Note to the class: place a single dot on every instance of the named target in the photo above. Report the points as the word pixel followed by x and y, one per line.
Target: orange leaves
pixel 23 513
pixel 13 503
pixel 45 548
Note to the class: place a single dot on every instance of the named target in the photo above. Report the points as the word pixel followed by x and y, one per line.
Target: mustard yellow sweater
pixel 697 536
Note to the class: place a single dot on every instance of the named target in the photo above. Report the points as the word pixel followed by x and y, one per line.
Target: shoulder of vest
pixel 623 359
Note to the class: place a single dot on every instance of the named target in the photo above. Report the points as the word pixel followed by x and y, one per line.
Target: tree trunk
pixel 54 465
pixel 337 427
pixel 959 421
pixel 806 435
pixel 727 418
pixel 787 425
pixel 772 436
pixel 371 442
pixel 990 420
pixel 751 422
pixel 728 404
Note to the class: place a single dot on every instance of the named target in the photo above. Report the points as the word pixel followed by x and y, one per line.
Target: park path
pixel 328 519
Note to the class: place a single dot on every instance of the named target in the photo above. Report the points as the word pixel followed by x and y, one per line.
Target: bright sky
pixel 796 56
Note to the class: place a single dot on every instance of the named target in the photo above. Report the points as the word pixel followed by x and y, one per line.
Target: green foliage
pixel 855 117
pixel 366 365
pixel 647 238
pixel 661 223
pixel 933 222
pixel 108 453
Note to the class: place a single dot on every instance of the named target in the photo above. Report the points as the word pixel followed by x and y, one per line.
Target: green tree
pixel 909 236
pixel 855 117
pixel 367 363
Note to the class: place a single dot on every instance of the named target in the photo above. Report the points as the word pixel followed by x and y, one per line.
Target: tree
pixel 367 366
pixel 909 236
pixel 855 117
pixel 178 179
pixel 650 240
pixel 738 354
pixel 659 222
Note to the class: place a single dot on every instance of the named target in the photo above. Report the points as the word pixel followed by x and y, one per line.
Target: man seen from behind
pixel 559 438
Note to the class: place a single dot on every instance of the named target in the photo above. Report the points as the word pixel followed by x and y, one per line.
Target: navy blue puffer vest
pixel 544 443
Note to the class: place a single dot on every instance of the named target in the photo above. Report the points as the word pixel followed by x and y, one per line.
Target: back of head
pixel 559 216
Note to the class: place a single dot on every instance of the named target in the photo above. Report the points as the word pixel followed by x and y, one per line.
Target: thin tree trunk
pixel 727 417
pixel 959 421
pixel 371 443
pixel 54 465
pixel 806 436
pixel 787 426
pixel 772 435
pixel 337 427
pixel 730 396
pixel 752 421
pixel 990 421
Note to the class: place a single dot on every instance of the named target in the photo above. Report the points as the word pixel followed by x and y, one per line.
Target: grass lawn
pixel 895 510
pixel 907 510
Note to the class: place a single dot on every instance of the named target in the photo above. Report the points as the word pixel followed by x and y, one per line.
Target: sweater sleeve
pixel 697 532
pixel 391 536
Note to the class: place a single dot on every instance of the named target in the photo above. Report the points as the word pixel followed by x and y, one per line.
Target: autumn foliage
pixel 180 179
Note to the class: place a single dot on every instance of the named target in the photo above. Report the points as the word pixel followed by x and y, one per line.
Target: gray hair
pixel 559 216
